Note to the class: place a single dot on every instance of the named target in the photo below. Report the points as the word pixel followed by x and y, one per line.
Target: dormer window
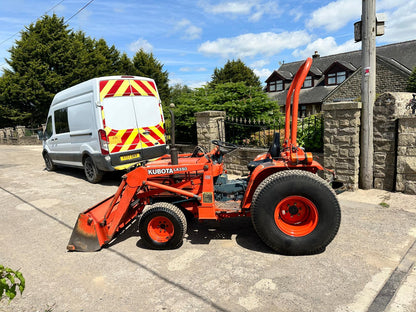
pixel 277 81
pixel 338 72
pixel 308 82
pixel 277 85
pixel 337 78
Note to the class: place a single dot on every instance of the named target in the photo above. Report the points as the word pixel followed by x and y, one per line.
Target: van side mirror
pixel 43 135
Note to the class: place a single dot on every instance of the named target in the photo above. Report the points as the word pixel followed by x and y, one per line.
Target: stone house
pixel 337 78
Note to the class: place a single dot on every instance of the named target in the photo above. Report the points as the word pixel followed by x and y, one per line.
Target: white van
pixel 104 124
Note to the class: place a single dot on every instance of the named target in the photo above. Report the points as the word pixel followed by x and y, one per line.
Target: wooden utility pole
pixel 368 90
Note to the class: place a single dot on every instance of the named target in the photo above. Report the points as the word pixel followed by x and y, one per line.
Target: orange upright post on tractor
pixel 294 90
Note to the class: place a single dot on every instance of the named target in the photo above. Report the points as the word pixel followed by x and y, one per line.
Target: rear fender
pixel 262 171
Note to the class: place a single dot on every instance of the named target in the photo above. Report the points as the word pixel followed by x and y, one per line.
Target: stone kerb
pixel 210 126
pixel 342 141
pixel 406 156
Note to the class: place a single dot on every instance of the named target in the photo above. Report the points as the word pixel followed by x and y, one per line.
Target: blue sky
pixel 192 38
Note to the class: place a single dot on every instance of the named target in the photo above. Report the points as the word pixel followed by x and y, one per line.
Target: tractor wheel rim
pixel 160 229
pixel 296 216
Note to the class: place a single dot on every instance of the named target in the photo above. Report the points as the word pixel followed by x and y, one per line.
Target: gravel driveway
pixel 220 267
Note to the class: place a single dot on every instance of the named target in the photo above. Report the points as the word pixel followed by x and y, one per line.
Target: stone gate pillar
pixel 210 126
pixel 342 141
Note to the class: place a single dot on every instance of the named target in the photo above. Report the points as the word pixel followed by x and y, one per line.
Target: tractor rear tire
pixel 162 226
pixel 295 212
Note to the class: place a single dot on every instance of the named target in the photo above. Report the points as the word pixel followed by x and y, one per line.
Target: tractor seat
pixel 274 152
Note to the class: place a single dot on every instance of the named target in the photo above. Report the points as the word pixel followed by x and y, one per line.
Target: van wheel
pixel 50 166
pixel 92 173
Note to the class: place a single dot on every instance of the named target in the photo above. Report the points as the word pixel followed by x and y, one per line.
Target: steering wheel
pixel 225 147
pixel 197 150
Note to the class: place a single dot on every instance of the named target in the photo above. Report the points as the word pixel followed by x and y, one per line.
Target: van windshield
pixel 130 112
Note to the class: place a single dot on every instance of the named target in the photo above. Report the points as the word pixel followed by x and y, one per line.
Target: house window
pixel 302 111
pixel 336 78
pixel 276 86
pixel 308 82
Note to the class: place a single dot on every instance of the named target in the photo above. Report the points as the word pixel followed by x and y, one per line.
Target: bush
pixel 310 133
pixel 10 283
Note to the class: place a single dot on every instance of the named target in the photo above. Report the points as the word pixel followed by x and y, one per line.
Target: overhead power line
pixel 79 11
pixel 15 34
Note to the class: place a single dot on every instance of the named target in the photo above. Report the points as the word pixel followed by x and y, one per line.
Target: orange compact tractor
pixel 293 210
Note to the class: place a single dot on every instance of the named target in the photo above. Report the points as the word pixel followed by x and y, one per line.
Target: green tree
pixel 46 59
pixel 125 65
pixel 235 98
pixel 235 71
pixel 147 65
pixel 37 63
pixel 411 85
pixel 178 90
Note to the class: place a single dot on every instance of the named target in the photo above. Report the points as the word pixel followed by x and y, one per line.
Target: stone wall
pixel 406 156
pixel 389 78
pixel 17 136
pixel 388 108
pixel 236 161
pixel 341 141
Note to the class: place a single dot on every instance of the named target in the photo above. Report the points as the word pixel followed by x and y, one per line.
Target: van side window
pixel 61 121
pixel 48 129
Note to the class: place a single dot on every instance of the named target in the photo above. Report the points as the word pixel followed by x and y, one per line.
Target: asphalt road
pixel 370 265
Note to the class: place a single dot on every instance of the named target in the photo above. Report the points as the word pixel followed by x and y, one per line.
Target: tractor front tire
pixel 162 226
pixel 295 212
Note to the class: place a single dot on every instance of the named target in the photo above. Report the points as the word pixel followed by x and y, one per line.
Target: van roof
pixel 89 86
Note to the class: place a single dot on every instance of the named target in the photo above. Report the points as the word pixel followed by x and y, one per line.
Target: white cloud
pixel 141 44
pixel 263 73
pixel 232 7
pixel 196 84
pixel 256 9
pixel 259 64
pixel 190 31
pixel 175 81
pixel 192 69
pixel 400 24
pixel 249 45
pixel 296 13
pixel 390 4
pixel 326 46
pixel 262 9
pixel 335 15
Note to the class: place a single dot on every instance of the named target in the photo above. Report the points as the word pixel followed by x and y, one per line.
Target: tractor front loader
pixel 293 210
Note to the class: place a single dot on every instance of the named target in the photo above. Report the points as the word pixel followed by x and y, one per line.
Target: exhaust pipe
pixel 173 150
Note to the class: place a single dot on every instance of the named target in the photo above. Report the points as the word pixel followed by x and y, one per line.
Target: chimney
pixel 316 55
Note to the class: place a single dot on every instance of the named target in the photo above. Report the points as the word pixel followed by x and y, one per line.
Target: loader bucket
pixel 98 225
pixel 88 234
pixel 84 236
